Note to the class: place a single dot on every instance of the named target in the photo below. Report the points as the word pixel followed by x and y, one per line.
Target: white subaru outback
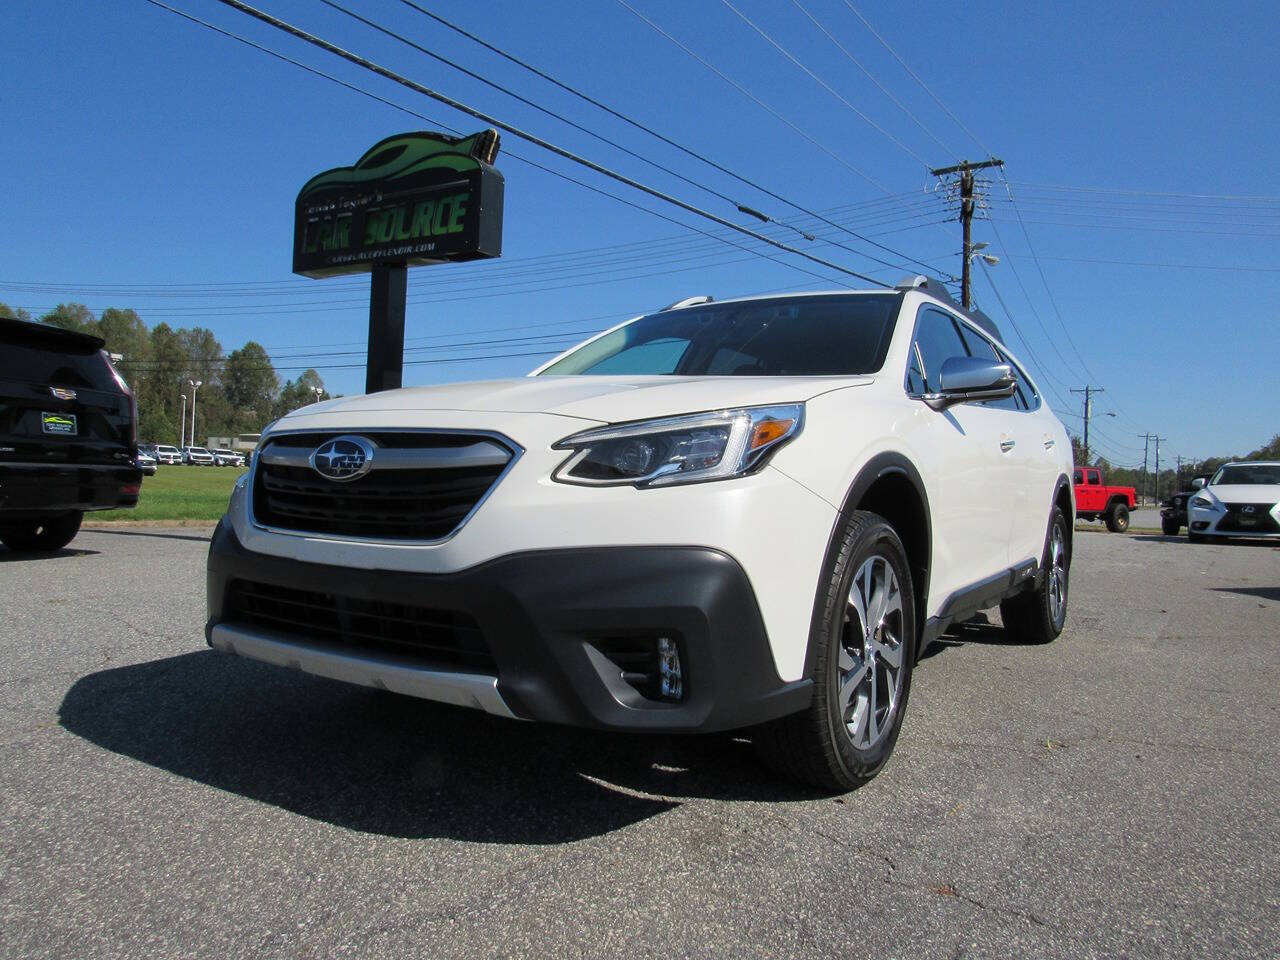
pixel 749 513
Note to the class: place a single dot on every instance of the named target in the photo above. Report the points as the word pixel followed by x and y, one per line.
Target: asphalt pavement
pixel 1115 793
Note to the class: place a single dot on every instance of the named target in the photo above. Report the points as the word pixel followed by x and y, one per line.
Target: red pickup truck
pixel 1094 499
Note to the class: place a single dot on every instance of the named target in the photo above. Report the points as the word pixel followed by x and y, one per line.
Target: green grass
pixel 179 493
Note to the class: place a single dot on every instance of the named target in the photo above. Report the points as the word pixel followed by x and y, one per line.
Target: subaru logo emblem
pixel 1248 509
pixel 343 458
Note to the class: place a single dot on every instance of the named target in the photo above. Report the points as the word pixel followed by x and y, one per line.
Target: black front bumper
pixel 544 615
pixel 36 490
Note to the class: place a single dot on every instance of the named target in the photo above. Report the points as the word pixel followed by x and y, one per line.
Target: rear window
pixel 55 368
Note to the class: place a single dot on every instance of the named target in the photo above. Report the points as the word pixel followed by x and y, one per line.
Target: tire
pixel 1169 526
pixel 1039 615
pixel 848 731
pixel 1117 518
pixel 41 536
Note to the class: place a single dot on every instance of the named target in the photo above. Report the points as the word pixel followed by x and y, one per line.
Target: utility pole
pixel 965 169
pixel 1146 448
pixel 1157 440
pixel 1088 414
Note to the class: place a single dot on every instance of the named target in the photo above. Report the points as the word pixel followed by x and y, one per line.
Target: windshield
pixel 840 335
pixel 1248 473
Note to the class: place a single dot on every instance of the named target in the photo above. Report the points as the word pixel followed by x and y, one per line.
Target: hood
pixel 603 399
pixel 1246 492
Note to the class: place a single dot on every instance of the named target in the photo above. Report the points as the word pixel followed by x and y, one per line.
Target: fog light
pixel 1200 525
pixel 669 668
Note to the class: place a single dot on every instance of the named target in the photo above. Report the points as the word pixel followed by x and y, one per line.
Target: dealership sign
pixel 412 199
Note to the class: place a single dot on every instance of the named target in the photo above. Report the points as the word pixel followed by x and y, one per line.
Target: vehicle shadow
pixel 66 553
pixel 395 766
pixel 1263 593
pixel 977 629
pixel 199 537
pixel 1259 543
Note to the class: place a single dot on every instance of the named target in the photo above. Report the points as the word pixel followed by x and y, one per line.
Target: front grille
pixel 1259 521
pixel 438 638
pixel 416 503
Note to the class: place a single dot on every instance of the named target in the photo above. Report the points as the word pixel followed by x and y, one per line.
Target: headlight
pixel 702 446
pixel 1204 503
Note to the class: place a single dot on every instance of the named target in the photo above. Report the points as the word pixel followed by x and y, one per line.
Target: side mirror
pixel 969 379
pixel 1198 483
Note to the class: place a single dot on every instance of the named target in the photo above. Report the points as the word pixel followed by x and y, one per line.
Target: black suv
pixel 68 435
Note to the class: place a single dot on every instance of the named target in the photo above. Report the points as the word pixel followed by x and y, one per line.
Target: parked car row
pixel 194 456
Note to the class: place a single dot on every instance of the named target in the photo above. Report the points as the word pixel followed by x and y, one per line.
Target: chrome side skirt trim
pixel 368 670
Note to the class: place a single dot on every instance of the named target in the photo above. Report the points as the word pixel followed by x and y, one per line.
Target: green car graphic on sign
pixel 58 423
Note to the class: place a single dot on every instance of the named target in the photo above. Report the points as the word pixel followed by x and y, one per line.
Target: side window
pixel 937 340
pixel 1079 477
pixel 1025 394
pixel 979 346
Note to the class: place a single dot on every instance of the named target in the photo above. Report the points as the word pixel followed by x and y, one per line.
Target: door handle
pixel 1006 445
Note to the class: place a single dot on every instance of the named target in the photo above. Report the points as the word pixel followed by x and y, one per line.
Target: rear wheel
pixel 1118 518
pixel 1169 526
pixel 40 536
pixel 1039 615
pixel 864 648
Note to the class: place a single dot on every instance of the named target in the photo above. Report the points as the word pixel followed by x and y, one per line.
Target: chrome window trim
pixel 500 439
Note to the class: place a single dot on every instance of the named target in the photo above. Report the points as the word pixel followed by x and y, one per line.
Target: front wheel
pixel 1118 518
pixel 41 536
pixel 864 646
pixel 1039 615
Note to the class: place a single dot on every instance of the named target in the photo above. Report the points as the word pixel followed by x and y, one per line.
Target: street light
pixel 975 250
pixel 319 392
pixel 195 385
pixel 182 422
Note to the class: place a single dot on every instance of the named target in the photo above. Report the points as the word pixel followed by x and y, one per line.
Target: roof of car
pixel 42 334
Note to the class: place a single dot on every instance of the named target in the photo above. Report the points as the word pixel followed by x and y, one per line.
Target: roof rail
pixel 934 287
pixel 687 302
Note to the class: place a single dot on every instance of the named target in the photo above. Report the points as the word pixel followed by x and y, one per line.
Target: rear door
pixel 60 401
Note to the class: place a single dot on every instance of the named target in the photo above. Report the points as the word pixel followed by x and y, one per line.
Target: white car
pixel 751 513
pixel 167 454
pixel 1240 500
pixel 223 457
pixel 197 456
pixel 146 462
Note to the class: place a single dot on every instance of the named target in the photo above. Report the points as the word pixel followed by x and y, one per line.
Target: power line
pixel 1045 280
pixel 916 77
pixel 772 111
pixel 530 137
pixel 654 133
pixel 867 73
pixel 1151 193
pixel 826 86
pixel 510 153
pixel 753 98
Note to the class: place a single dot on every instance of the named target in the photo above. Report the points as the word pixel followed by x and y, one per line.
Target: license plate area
pixel 61 424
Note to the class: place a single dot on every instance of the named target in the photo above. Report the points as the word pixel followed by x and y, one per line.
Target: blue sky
pixel 150 163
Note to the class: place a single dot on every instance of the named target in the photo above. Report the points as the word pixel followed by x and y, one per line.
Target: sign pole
pixel 388 289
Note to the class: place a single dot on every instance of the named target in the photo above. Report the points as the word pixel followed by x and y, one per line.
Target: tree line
pixel 240 391
pixel 1171 478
